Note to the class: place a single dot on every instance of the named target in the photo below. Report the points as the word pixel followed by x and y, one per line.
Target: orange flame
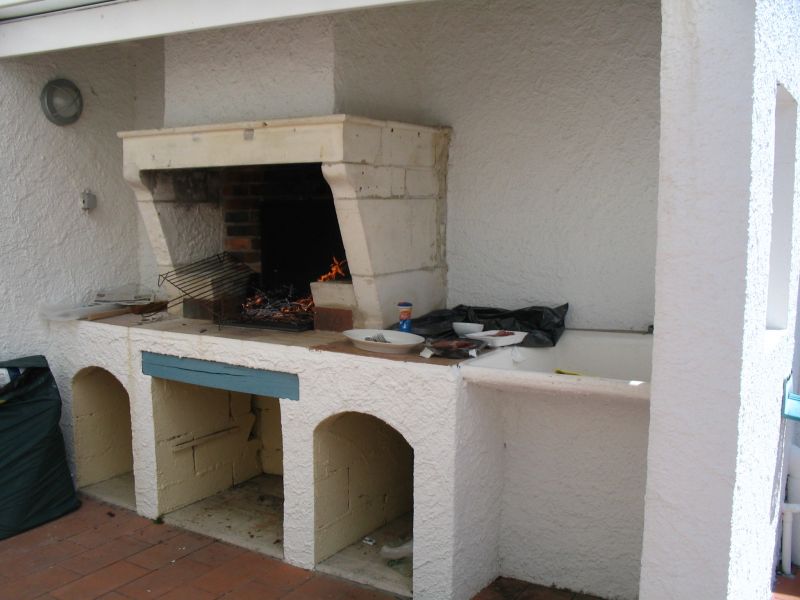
pixel 336 270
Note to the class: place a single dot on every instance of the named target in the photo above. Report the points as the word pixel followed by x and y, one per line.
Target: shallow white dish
pixel 496 341
pixel 465 328
pixel 397 342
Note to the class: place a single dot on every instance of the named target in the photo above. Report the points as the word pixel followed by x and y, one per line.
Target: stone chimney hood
pixel 388 184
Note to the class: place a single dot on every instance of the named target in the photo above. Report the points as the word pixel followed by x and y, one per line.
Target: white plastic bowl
pixel 465 328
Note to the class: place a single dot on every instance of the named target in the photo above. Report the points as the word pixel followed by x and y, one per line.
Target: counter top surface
pixel 323 341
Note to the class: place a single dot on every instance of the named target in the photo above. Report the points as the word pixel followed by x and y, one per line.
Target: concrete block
pixel 240 403
pixel 400 235
pixel 378 296
pixel 352 229
pixel 101 427
pixel 407 146
pixel 348 180
pixel 176 495
pixel 331 497
pixel 265 402
pixel 247 425
pixel 181 408
pixel 217 452
pixel 361 142
pixel 248 464
pixel 270 435
pixel 399 188
pixel 173 467
pixel 422 183
pixel 337 294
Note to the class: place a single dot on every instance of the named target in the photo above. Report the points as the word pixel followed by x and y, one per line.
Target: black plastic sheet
pixel 543 324
pixel 35 483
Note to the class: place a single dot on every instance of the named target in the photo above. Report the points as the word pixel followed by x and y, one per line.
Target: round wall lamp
pixel 62 102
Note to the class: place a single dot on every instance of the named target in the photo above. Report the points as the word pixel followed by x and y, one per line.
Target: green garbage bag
pixel 35 483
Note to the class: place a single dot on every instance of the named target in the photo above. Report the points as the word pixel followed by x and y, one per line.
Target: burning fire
pixel 336 270
pixel 280 306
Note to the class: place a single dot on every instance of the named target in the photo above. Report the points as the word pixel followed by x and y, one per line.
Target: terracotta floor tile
pixel 155 533
pixel 216 553
pixel 28 538
pixel 787 588
pixel 254 590
pixel 58 529
pixel 321 587
pixel 172 576
pixel 234 573
pixel 123 523
pixel 64 527
pixel 282 577
pixel 101 551
pixel 36 584
pixel 95 559
pixel 170 550
pixel 100 582
pixel 37 558
pixel 189 593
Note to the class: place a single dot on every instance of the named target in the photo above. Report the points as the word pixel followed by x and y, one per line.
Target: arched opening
pixel 101 413
pixel 220 463
pixel 363 499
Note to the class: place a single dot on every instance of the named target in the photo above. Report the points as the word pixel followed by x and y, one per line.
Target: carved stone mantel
pixel 388 183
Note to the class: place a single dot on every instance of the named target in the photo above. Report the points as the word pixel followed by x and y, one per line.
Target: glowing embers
pixel 281 308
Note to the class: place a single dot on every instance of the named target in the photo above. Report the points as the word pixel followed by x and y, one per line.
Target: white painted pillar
pixel 704 199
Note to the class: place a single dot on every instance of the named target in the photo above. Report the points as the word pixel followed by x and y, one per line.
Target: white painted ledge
pixel 140 19
pixel 570 386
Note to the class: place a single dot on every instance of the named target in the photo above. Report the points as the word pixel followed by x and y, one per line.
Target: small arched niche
pixel 363 499
pixel 101 413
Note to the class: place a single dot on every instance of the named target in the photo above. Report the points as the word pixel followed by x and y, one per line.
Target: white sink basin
pixel 594 362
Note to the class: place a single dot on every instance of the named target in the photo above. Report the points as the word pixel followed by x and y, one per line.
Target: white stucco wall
pixel 768 355
pixel 568 508
pixel 714 463
pixel 51 249
pixel 554 162
pixel 148 72
pixel 252 72
pixel 553 170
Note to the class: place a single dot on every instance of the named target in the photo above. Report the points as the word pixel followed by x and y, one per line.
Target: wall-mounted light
pixel 62 102
pixel 88 200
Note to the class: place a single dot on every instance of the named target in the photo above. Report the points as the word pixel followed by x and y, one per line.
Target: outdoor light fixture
pixel 62 102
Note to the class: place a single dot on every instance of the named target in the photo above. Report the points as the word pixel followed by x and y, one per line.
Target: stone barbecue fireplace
pixel 311 446
pixel 387 182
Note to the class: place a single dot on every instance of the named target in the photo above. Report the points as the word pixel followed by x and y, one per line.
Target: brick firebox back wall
pixel 280 221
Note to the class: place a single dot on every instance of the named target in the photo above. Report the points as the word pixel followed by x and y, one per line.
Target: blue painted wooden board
pixel 791 406
pixel 221 376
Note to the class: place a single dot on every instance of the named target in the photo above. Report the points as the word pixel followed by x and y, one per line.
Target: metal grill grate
pixel 211 280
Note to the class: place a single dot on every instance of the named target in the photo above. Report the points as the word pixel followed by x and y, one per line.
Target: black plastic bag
pixel 543 324
pixel 35 483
